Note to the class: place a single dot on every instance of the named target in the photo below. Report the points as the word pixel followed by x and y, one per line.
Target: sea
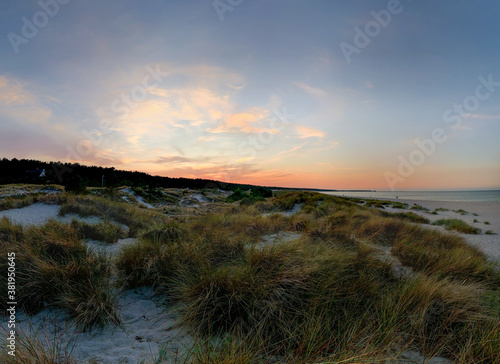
pixel 464 196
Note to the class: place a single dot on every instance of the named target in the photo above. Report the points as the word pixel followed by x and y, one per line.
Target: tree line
pixel 75 175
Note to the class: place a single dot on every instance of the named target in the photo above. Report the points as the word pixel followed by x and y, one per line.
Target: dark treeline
pixel 17 171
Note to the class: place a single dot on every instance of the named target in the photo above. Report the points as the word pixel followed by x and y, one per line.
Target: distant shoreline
pixel 443 196
pixel 315 189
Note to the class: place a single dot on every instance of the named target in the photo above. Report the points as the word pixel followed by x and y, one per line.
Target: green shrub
pixel 74 183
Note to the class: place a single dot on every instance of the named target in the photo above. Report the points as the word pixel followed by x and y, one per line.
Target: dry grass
pixel 135 218
pixel 327 297
pixel 458 225
pixel 54 268
pixel 37 349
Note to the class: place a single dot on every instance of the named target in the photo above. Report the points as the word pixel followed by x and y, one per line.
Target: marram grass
pixel 331 296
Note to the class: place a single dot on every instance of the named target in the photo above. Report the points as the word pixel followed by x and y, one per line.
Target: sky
pixel 344 94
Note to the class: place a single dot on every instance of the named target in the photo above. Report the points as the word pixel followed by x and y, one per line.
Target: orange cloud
pixel 21 104
pixel 244 122
pixel 306 132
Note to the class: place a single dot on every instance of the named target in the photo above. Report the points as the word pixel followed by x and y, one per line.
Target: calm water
pixel 492 195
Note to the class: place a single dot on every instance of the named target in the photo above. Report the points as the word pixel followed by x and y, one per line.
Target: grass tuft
pixel 458 225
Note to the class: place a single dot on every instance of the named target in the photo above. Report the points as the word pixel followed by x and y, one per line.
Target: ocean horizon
pixel 464 196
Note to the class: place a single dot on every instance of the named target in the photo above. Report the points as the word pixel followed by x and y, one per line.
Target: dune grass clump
pixel 104 231
pixel 19 201
pixel 418 207
pixel 55 269
pixel 400 205
pixel 380 230
pixel 378 204
pixel 441 209
pixel 331 296
pixel 136 219
pixel 321 302
pixel 9 232
pixel 328 297
pixel 16 202
pixel 458 225
pixel 37 349
pixel 445 255
pixel 148 263
pixel 281 294
pixel 155 195
pixel 285 201
pixel 411 216
pixel 164 233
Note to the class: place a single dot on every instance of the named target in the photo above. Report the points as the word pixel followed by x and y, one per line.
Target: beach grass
pixel 400 205
pixel 418 207
pixel 412 217
pixel 55 269
pixel 458 225
pixel 325 297
pixel 332 293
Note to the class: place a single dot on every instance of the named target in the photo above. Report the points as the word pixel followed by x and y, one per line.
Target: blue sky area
pixel 327 94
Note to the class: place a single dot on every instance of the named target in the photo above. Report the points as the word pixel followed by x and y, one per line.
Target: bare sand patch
pixel 39 213
pixel 148 326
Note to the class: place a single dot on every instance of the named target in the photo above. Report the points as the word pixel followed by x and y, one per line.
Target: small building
pixel 36 174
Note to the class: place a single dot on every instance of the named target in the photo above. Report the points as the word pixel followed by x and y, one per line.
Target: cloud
pixel 21 105
pixel 330 144
pixel 207 139
pixel 248 122
pixel 180 159
pixel 294 149
pixel 306 132
pixel 176 111
pixel 225 172
pixel 28 127
pixel 487 117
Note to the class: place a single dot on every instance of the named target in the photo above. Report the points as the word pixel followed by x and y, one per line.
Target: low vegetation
pixel 325 297
pixel 400 205
pixel 21 196
pixel 418 207
pixel 330 295
pixel 411 216
pixel 458 225
pixel 250 197
pixel 55 269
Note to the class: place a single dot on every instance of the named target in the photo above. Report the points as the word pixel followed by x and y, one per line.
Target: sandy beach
pixel 480 211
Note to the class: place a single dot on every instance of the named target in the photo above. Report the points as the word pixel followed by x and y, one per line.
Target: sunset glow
pixel 262 94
